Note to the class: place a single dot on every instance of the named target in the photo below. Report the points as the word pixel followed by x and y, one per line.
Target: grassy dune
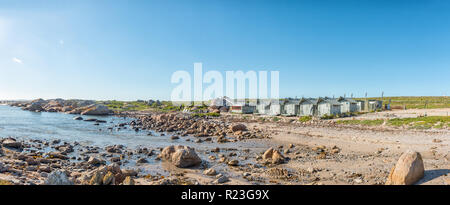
pixel 438 122
pixel 416 102
pixel 138 106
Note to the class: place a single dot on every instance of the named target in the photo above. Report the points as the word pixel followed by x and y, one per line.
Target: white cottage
pixel 328 107
pixel 291 108
pixel 348 105
pixel 263 107
pixel 375 105
pixel 307 107
pixel 360 105
pixel 276 107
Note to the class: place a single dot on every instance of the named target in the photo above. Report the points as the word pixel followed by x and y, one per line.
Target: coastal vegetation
pixel 210 114
pixel 305 118
pixel 327 117
pixel 361 122
pixel 421 122
pixel 421 102
pixel 140 105
pixel 437 122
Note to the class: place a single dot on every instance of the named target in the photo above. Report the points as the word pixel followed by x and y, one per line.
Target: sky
pixel 128 50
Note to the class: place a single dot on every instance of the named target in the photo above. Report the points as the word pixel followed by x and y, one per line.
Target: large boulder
pixel 408 170
pixel 128 181
pixel 96 110
pixel 58 177
pixel 103 175
pixel 181 156
pixel 95 161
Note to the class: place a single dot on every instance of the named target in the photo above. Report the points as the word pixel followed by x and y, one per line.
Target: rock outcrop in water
pixel 84 107
pixel 36 105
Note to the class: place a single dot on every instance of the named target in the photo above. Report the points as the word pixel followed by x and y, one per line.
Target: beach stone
pixel 141 160
pixel 95 161
pixel 78 118
pixel 114 168
pixel 108 179
pixel 58 177
pixel 181 156
pixel 32 162
pixel 408 170
pixel 221 180
pixel 210 172
pixel 2 167
pixel 274 155
pixel 12 143
pixel 114 149
pixel 45 169
pixel 128 181
pixel 238 127
pixel 57 155
pixel 233 162
pixel 97 178
pixel 115 159
pixel 130 172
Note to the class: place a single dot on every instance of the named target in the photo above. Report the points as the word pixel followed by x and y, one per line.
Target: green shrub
pixel 305 118
pixel 361 122
pixel 327 117
pixel 211 114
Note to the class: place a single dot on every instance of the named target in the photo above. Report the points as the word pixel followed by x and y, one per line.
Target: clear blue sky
pixel 128 50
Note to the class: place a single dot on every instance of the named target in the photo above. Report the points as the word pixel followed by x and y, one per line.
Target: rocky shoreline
pixel 248 154
pixel 39 162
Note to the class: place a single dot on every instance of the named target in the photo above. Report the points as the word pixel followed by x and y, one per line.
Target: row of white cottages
pixel 305 107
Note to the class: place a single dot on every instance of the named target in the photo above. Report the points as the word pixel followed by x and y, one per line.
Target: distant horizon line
pixel 1 100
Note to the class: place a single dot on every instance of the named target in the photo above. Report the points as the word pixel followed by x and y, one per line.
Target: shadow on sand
pixel 433 174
